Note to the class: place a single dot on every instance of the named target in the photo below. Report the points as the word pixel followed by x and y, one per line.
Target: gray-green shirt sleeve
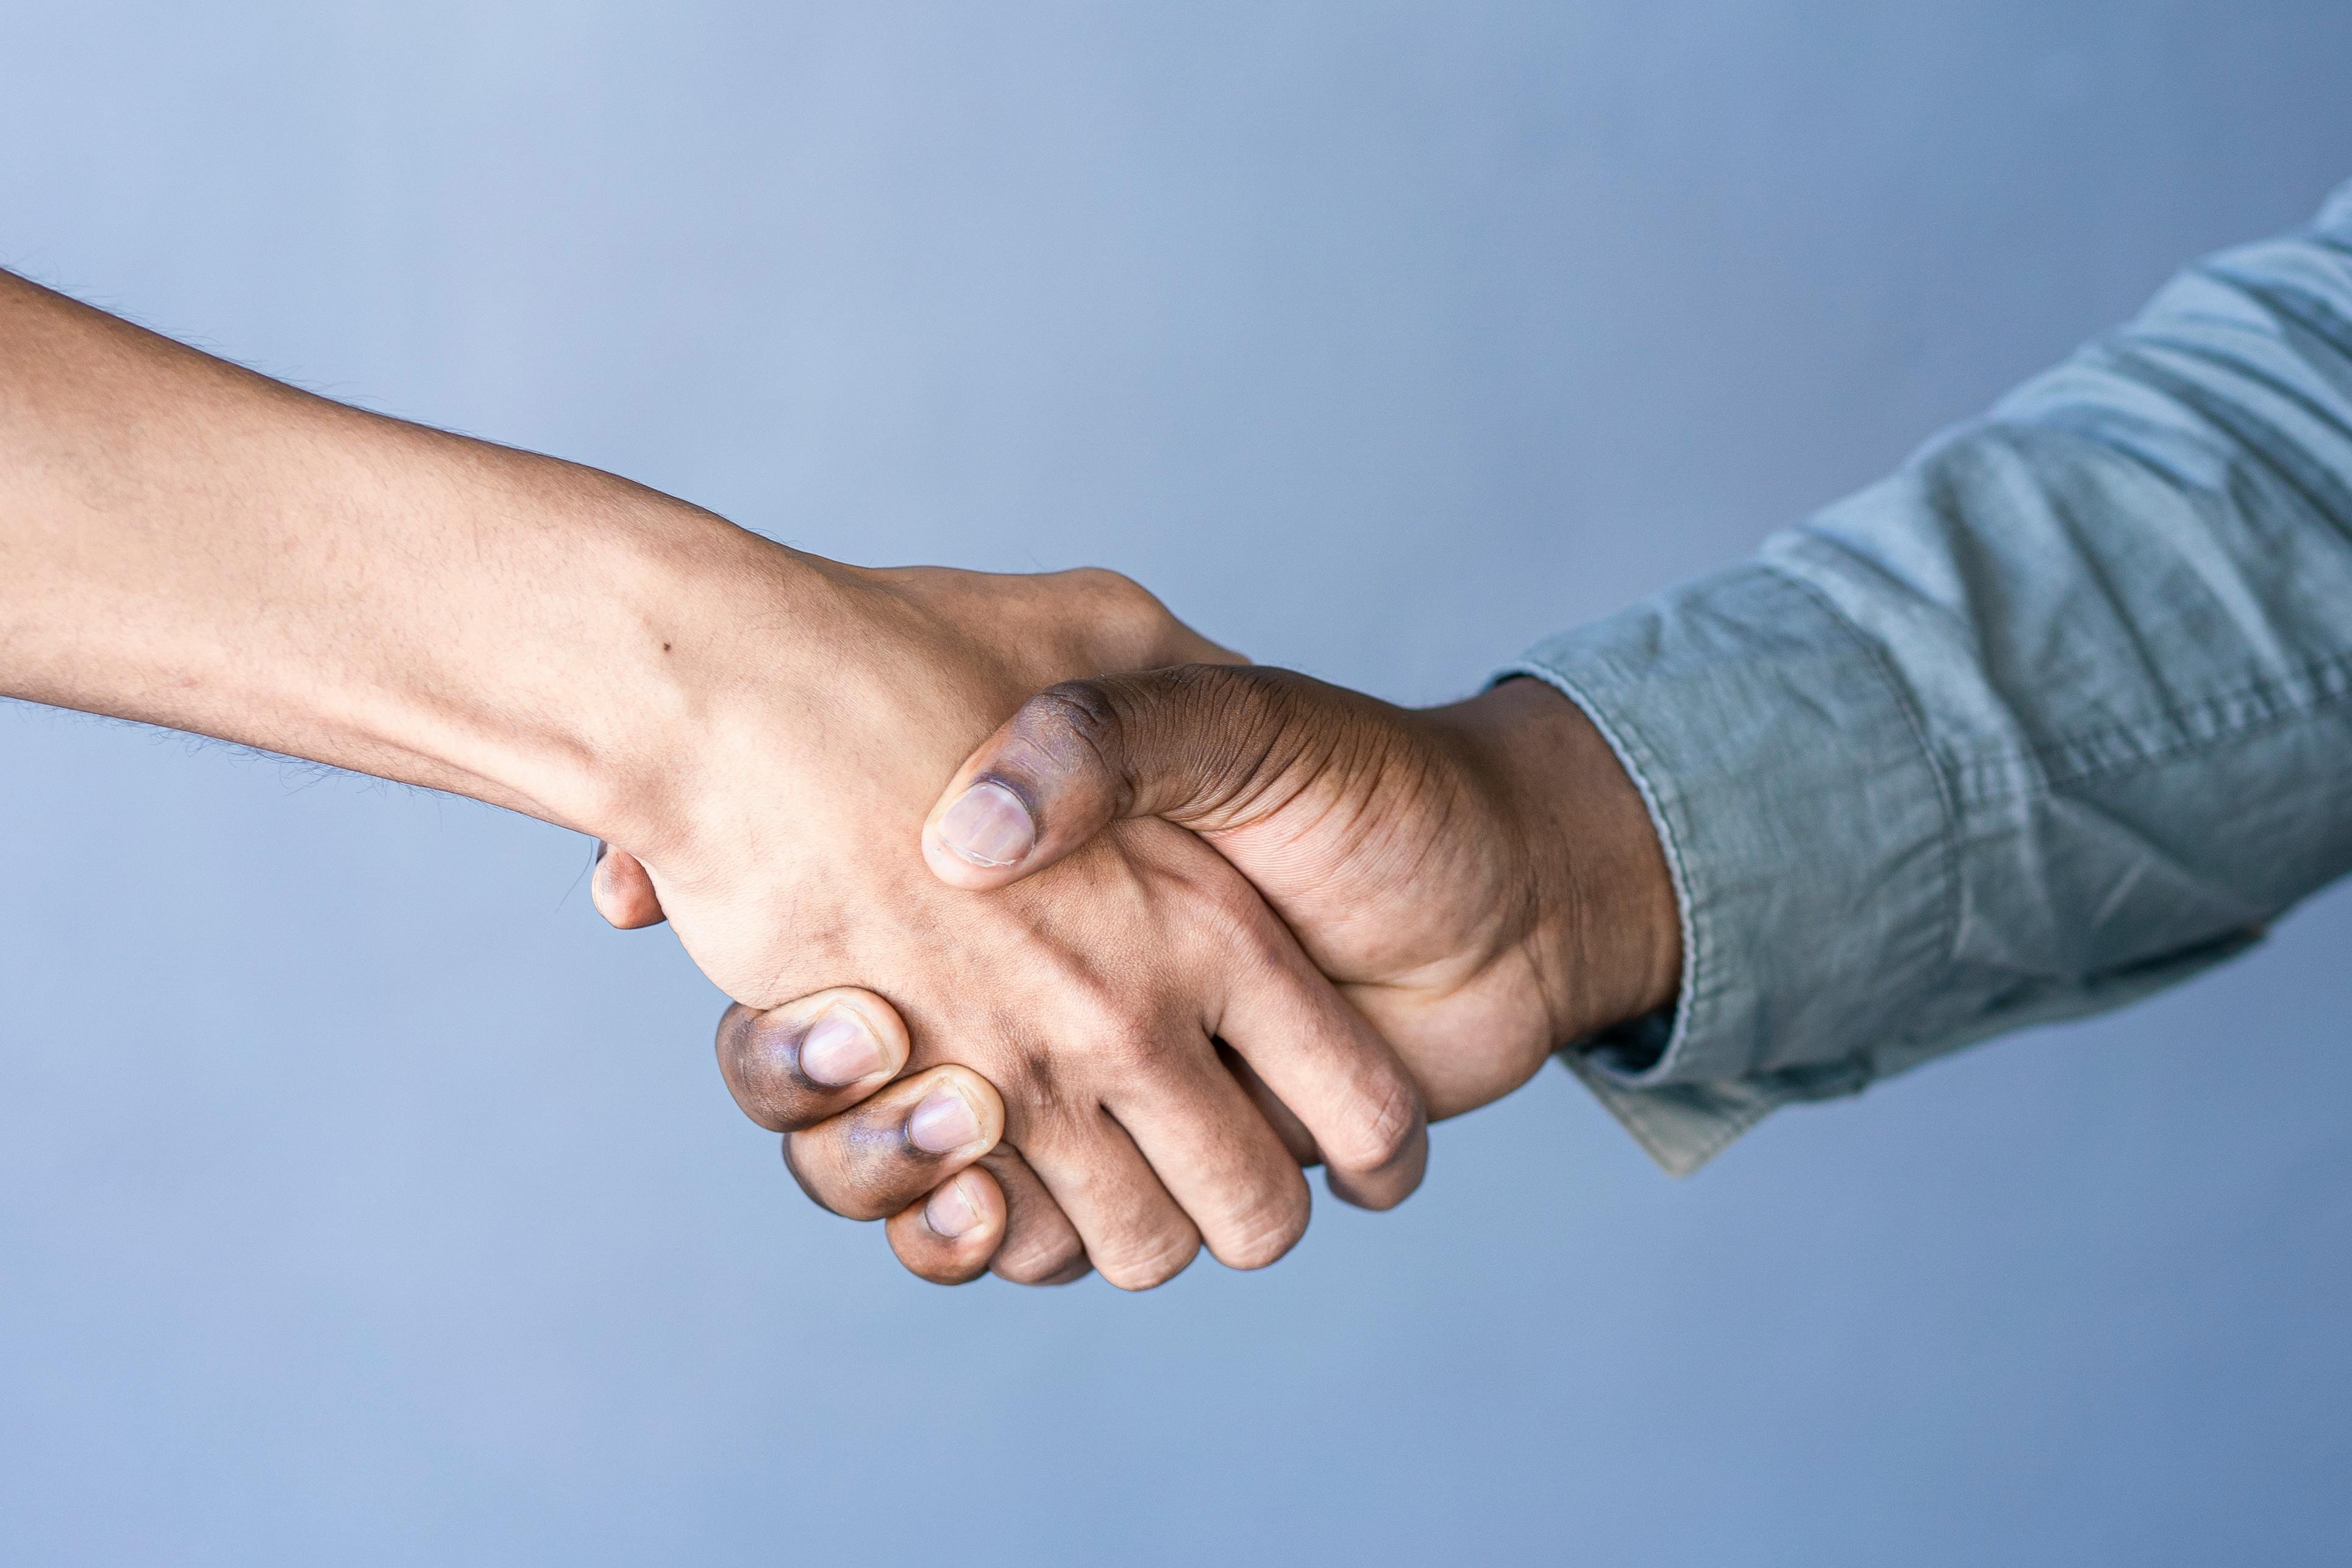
pixel 2054 717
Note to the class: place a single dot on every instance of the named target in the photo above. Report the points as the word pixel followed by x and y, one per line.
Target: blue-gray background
pixel 363 1200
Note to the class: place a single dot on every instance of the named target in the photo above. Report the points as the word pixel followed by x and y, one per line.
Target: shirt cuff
pixel 1809 837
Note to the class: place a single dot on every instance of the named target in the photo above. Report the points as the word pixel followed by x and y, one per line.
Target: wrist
pixel 719 644
pixel 1607 930
pixel 191 545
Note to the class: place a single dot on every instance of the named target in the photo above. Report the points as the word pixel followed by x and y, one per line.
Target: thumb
pixel 1192 743
pixel 622 890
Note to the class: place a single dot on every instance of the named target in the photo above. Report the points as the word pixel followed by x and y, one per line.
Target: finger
pixel 1041 1247
pixel 879 1156
pixel 623 891
pixel 1295 1139
pixel 1214 1154
pixel 800 1063
pixel 949 1237
pixel 1135 1234
pixel 1317 1056
pixel 1189 743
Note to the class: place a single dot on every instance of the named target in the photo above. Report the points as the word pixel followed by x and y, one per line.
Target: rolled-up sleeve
pixel 2055 716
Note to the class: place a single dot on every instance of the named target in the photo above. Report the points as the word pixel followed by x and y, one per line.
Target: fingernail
pixel 943 1124
pixel 951 1213
pixel 988 826
pixel 840 1049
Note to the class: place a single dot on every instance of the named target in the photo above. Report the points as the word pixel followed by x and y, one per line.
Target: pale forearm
pixel 187 543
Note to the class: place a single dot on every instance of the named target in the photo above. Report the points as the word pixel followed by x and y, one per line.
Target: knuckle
pixel 1040 1260
pixel 1073 722
pixel 1266 1232
pixel 1109 621
pixel 1385 1128
pixel 1153 1262
pixel 1116 594
pixel 1233 915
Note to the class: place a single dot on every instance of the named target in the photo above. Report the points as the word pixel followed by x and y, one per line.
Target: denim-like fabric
pixel 2055 716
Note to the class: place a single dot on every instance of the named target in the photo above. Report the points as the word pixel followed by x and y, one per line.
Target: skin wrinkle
pixel 1359 833
pixel 1242 767
pixel 1286 753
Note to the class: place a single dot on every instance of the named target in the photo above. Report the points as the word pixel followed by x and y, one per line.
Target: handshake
pixel 1058 936
pixel 1056 970
pixel 1062 938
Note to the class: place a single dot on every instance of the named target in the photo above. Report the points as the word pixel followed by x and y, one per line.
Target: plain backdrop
pixel 362 1200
